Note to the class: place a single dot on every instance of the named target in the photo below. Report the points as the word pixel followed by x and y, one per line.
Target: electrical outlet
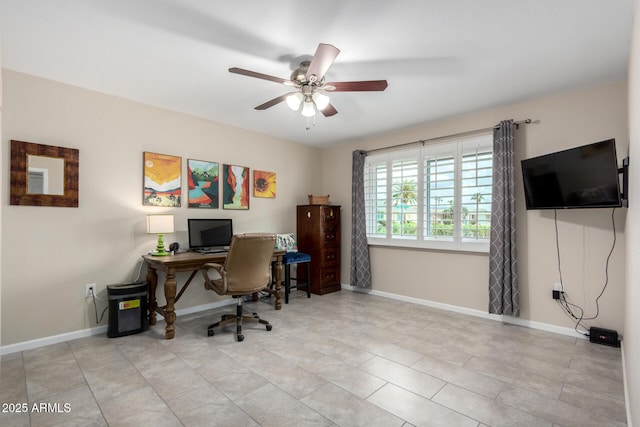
pixel 90 290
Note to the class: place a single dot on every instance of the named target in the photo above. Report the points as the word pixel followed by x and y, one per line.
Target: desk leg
pixel 170 286
pixel 278 274
pixel 152 279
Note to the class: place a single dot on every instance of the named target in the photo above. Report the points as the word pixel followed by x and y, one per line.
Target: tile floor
pixel 342 359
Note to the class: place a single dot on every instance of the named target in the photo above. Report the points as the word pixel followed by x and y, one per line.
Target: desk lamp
pixel 160 224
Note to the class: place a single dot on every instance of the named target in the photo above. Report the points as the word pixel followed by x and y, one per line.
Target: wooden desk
pixel 189 261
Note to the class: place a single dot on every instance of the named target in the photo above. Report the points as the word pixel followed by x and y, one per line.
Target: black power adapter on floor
pixel 604 336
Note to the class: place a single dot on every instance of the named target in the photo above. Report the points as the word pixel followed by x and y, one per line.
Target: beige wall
pixel 460 279
pixel 631 343
pixel 49 254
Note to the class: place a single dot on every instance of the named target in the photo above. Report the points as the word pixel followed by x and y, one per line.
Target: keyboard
pixel 209 251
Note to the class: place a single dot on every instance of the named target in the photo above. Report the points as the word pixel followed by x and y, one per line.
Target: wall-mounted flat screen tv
pixel 581 177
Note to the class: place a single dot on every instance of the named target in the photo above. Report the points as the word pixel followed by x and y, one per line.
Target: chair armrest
pixel 209 283
pixel 213 265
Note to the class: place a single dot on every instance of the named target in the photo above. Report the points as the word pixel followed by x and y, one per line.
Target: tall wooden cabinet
pixel 318 234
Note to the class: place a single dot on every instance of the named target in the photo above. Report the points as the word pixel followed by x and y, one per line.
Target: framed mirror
pixel 43 175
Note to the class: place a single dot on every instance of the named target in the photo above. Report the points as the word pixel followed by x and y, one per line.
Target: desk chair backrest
pixel 247 268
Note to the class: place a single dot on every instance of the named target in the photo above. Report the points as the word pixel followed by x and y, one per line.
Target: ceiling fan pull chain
pixel 309 124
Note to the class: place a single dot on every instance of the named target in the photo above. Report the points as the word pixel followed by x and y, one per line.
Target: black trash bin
pixel 128 304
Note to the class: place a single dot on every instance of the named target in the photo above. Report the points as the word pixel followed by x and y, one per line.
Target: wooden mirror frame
pixel 20 152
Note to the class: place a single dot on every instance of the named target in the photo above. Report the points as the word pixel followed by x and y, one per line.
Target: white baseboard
pixel 55 339
pixel 477 313
pixel 626 388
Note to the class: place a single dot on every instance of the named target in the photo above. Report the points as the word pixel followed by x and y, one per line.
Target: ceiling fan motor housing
pixel 299 76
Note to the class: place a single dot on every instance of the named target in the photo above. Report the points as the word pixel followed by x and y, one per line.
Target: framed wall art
pixel 264 184
pixel 203 178
pixel 235 187
pixel 162 180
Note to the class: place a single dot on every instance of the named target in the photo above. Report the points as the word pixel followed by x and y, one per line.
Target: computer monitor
pixel 209 233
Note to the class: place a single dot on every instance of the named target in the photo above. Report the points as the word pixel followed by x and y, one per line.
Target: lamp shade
pixel 294 100
pixel 159 224
pixel 321 100
pixel 307 109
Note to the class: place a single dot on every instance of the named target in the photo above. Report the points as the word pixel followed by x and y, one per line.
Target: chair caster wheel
pixel 210 333
pixel 240 338
pixel 269 327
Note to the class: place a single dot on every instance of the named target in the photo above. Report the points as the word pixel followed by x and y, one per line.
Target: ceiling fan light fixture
pixel 321 101
pixel 294 100
pixel 307 109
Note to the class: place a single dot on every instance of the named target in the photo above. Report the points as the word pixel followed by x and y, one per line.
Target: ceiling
pixel 441 57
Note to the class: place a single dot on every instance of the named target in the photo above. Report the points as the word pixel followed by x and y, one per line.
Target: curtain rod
pixel 470 132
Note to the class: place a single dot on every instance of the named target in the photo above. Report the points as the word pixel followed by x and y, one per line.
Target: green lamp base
pixel 160 251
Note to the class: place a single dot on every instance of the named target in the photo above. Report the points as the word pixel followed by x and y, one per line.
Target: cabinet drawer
pixel 329 256
pixel 329 233
pixel 329 276
pixel 329 214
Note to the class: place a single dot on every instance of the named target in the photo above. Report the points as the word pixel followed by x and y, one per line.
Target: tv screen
pixel 209 233
pixel 581 177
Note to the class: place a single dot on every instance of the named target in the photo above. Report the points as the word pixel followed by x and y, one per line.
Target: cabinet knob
pixel 308 214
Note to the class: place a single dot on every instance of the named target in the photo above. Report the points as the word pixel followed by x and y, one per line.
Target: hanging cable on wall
pixel 574 311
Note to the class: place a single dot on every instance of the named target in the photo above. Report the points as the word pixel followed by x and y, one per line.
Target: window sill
pixel 431 245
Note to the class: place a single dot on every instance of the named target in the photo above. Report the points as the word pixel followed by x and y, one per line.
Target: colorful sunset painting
pixel 235 187
pixel 264 184
pixel 203 180
pixel 162 180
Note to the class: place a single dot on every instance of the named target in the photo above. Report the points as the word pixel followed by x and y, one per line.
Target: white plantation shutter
pixel 404 197
pixel 438 196
pixel 439 193
pixel 475 188
pixel 375 196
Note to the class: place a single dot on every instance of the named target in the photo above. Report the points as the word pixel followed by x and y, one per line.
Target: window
pixel 437 196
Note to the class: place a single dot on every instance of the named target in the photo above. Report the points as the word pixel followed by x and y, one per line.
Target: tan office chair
pixel 246 270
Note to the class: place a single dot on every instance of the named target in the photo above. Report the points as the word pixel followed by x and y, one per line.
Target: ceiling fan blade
pixel 273 102
pixel 362 86
pixel 322 60
pixel 329 111
pixel 236 70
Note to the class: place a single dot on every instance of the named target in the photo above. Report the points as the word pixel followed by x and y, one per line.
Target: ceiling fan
pixel 308 79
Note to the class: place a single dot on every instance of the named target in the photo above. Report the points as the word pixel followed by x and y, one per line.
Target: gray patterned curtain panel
pixel 503 272
pixel 360 267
